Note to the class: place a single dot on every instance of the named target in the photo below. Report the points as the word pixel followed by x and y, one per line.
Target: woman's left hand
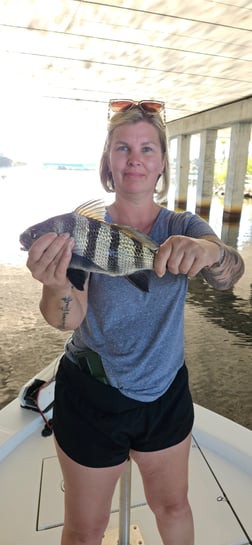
pixel 185 255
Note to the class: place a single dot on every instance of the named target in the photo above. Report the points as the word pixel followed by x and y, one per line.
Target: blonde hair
pixel 134 115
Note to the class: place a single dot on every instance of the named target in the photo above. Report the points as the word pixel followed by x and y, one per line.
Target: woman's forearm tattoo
pixel 65 308
pixel 227 272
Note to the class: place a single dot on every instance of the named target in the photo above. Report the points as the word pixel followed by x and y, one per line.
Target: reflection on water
pixel 218 350
pixel 223 308
pixel 218 332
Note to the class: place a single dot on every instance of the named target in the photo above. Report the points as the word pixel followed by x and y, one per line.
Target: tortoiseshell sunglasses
pixel 149 106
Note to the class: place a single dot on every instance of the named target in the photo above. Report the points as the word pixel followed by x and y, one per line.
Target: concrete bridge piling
pixel 238 117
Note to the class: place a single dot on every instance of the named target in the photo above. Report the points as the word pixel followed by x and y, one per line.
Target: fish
pixel 100 247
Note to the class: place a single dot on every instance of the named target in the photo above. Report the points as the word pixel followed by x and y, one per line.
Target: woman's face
pixel 135 158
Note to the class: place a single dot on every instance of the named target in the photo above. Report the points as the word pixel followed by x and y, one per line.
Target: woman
pixel 138 402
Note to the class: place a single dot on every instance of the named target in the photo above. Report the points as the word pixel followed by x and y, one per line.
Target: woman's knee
pixel 88 530
pixel 175 502
pixel 173 509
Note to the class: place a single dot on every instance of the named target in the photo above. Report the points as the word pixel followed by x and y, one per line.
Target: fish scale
pixel 102 245
pixel 93 231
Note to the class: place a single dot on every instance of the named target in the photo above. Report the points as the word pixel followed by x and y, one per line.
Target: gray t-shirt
pixel 139 335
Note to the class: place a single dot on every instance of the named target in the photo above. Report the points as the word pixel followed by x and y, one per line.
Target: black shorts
pixel 96 425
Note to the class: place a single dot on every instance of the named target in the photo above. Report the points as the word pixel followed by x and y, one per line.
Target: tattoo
pixel 224 274
pixel 65 311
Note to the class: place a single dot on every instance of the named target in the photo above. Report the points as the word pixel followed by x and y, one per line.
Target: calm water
pixel 218 336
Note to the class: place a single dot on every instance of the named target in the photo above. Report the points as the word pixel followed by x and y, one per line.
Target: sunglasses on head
pixel 148 106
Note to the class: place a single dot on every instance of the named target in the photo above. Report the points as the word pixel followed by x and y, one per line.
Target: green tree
pixel 249 166
pixel 220 173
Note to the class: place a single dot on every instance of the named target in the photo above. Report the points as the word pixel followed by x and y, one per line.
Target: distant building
pixel 70 166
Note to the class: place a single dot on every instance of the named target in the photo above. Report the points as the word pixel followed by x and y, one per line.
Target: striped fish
pixel 101 247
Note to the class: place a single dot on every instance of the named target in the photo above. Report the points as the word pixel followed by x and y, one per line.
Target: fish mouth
pixel 24 244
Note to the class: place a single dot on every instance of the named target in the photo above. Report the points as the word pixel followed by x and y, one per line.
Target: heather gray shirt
pixel 140 336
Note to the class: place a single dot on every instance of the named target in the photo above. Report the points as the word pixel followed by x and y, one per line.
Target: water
pixel 218 333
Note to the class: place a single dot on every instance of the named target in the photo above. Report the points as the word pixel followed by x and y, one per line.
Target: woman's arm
pixel 63 306
pixel 64 309
pixel 227 270
pixel 219 264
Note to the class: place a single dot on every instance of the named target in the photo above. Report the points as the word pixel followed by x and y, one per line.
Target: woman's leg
pixel 165 478
pixel 88 497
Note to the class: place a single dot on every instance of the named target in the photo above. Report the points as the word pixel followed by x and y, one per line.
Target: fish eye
pixel 33 234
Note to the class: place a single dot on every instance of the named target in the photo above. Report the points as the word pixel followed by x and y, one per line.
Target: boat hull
pixel 32 505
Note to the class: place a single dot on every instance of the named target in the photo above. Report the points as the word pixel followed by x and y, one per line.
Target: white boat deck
pixel 32 496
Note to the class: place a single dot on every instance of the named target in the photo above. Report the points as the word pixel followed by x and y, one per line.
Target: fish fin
pixel 94 209
pixel 83 263
pixel 77 277
pixel 144 239
pixel 140 280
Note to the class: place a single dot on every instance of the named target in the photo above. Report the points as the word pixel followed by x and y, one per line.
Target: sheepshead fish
pixel 101 247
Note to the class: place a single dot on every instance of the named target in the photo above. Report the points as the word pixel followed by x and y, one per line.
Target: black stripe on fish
pixel 138 252
pixel 93 233
pixel 113 264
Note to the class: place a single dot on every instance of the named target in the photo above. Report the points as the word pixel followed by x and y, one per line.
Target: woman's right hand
pixel 48 259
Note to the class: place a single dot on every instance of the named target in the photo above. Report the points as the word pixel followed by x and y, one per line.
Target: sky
pixel 38 130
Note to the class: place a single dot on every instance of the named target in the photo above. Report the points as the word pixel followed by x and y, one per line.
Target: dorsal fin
pixel 94 209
